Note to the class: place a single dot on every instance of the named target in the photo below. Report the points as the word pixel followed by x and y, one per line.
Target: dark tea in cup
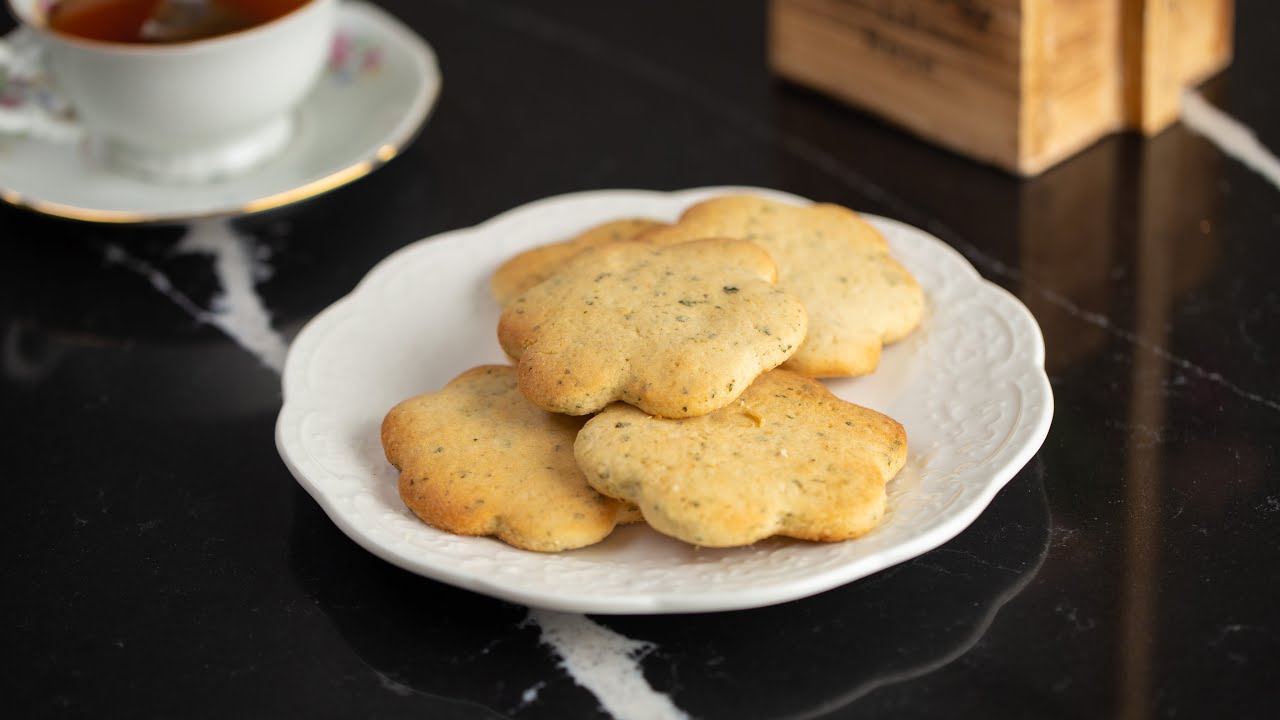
pixel 163 21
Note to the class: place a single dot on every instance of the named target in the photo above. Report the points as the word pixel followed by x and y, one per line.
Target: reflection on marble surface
pixel 445 642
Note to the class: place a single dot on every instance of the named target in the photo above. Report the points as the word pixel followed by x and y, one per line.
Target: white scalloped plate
pixel 968 385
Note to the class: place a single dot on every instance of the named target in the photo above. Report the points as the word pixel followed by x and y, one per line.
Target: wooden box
pixel 1021 84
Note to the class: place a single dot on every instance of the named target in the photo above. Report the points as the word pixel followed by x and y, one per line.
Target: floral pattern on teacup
pixel 353 56
pixel 29 105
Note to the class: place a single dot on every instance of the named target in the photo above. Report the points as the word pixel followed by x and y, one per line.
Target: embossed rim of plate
pixel 522 577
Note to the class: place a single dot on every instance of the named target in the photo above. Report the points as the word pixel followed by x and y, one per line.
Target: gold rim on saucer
pixel 352 16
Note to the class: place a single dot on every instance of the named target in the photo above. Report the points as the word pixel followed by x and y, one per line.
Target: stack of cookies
pixel 667 374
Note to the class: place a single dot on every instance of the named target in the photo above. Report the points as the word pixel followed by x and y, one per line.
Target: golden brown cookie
pixel 858 297
pixel 677 331
pixel 532 266
pixel 476 458
pixel 788 458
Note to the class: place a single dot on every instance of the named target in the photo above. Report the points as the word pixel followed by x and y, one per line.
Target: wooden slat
pixel 1152 85
pixel 1203 29
pixel 1071 81
pixel 926 87
pixel 1017 83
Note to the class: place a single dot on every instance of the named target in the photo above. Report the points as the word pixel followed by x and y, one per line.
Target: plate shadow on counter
pixel 827 651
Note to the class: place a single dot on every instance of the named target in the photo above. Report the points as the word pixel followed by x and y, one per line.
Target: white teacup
pixel 189 111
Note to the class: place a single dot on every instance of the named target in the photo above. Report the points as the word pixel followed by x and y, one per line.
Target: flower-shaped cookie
pixel 537 264
pixel 789 458
pixel 677 331
pixel 476 458
pixel 858 297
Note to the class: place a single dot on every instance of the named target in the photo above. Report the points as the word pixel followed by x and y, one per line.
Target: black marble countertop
pixel 159 560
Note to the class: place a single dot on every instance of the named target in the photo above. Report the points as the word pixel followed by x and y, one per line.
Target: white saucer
pixel 378 90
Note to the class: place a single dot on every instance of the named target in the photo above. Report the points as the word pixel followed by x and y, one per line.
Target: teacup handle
pixel 29 104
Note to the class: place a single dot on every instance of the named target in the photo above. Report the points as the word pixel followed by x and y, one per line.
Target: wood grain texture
pixel 1021 84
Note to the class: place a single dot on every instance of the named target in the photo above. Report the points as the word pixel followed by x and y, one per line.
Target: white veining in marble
pixel 116 255
pixel 394 687
pixel 606 663
pixel 238 311
pixel 530 695
pixel 598 659
pixel 1212 376
pixel 1232 137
